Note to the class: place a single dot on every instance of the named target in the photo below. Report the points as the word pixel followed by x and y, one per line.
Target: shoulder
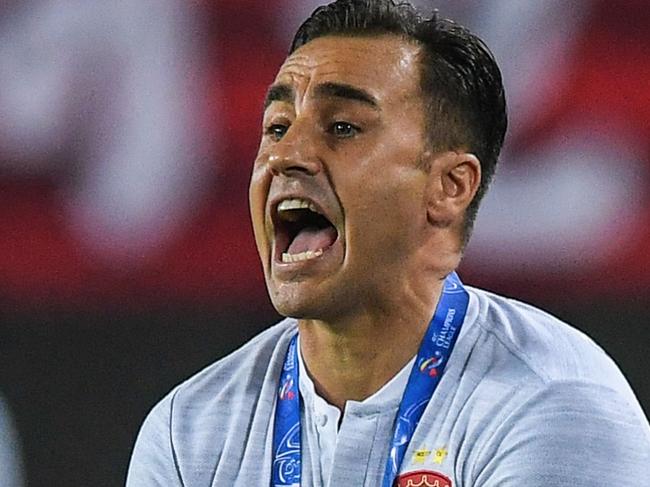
pixel 543 346
pixel 185 432
pixel 241 372
pixel 221 394
pixel 546 402
pixel 564 433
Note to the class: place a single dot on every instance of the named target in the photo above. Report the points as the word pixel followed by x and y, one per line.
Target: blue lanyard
pixel 432 357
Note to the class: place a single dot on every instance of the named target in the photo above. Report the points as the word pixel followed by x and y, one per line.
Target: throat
pixel 345 368
pixel 339 386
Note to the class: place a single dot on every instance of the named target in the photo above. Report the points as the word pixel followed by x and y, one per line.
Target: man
pixel 381 133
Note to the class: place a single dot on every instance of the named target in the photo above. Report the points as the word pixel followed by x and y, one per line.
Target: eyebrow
pixel 286 93
pixel 347 92
pixel 280 92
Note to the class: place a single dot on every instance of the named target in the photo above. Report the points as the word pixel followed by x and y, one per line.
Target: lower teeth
pixel 309 254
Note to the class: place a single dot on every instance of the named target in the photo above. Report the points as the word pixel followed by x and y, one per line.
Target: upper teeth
pixel 296 204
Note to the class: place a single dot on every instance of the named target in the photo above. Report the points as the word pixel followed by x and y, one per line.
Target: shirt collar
pixel 385 399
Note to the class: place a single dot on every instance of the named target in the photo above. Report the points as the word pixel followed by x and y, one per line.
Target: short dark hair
pixel 460 79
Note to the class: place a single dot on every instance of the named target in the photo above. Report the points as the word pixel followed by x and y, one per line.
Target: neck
pixel 351 358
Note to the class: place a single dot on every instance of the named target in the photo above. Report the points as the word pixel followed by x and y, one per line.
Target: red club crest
pixel 422 478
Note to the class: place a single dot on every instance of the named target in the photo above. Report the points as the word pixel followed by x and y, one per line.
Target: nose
pixel 294 153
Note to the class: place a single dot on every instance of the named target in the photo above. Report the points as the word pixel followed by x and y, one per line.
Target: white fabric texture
pixel 525 400
pixel 320 420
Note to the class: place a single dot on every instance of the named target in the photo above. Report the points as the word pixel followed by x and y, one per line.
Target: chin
pixel 293 307
pixel 293 302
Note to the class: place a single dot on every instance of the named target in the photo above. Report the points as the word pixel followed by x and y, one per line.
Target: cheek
pixel 387 211
pixel 257 195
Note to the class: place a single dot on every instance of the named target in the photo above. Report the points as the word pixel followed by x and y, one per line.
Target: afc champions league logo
pixel 286 391
pixel 422 478
pixel 429 366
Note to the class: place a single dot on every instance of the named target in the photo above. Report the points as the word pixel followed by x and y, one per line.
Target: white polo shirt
pixel 524 400
pixel 320 419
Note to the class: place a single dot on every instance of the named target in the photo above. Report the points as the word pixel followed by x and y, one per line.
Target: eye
pixel 276 131
pixel 344 130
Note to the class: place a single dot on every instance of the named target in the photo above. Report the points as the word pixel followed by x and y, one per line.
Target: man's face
pixel 337 196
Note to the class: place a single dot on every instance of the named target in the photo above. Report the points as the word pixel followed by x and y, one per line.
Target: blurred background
pixel 127 133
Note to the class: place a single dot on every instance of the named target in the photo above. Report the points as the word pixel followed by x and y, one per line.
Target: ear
pixel 454 178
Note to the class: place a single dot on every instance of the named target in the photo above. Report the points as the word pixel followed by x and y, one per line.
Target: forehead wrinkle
pixel 319 62
pixel 345 91
pixel 296 74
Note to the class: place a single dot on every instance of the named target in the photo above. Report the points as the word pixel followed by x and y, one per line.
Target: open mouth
pixel 301 231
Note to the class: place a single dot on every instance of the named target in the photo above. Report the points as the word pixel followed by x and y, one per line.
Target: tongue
pixel 312 238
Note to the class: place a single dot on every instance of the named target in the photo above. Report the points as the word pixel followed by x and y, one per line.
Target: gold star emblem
pixel 439 455
pixel 420 456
